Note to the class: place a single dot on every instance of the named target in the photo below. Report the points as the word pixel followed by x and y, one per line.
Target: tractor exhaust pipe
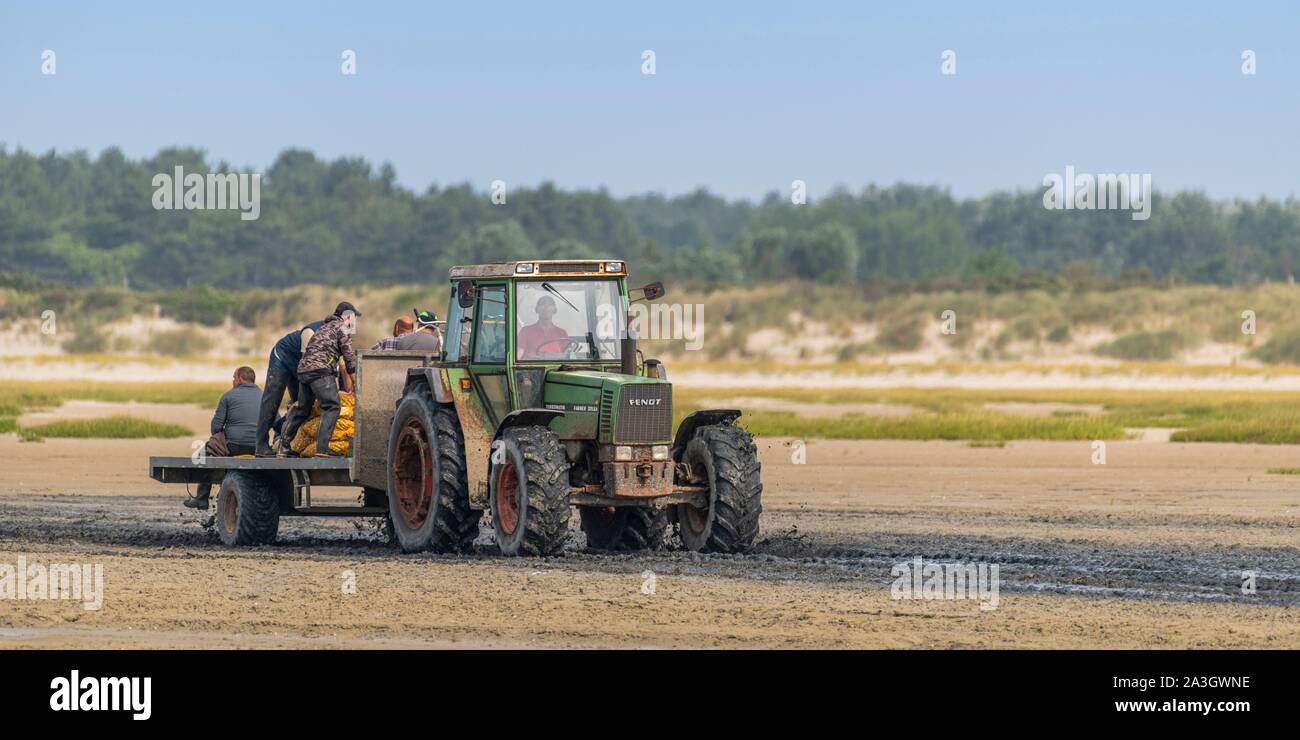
pixel 628 350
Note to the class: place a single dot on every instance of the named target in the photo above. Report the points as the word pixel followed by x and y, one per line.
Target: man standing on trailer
pixel 318 378
pixel 281 375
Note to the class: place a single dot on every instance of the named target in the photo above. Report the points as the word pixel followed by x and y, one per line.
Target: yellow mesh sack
pixel 304 442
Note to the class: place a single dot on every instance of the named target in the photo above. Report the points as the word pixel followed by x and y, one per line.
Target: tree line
pixel 85 220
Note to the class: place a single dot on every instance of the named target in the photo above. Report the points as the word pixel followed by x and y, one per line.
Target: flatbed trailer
pixel 273 487
pixel 292 476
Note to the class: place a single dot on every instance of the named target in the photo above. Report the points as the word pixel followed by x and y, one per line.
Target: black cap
pixel 344 307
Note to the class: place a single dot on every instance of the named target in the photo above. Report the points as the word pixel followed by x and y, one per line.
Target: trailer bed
pixel 320 471
pixel 291 478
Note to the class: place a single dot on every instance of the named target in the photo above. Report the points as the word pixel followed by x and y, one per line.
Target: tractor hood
pixel 610 407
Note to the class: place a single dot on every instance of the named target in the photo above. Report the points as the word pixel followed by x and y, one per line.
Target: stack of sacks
pixel 304 443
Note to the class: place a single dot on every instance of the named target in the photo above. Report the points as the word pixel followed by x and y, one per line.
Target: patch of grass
pixel 24 395
pixel 1271 417
pixel 1059 334
pixel 1147 345
pixel 1283 346
pixel 901 335
pixel 8 425
pixel 110 427
pixel 179 343
pixel 985 426
pixel 1284 471
pixel 86 341
pixel 1271 429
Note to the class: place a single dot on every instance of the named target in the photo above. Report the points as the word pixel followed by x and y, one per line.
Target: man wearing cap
pixel 425 337
pixel 318 378
pixel 281 375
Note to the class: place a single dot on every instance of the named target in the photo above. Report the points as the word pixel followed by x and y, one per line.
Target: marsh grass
pixel 22 396
pixel 1200 416
pixel 1266 417
pixel 109 427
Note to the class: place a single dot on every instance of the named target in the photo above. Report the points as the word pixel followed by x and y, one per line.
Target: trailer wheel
pixel 428 495
pixel 247 510
pixel 530 492
pixel 725 456
pixel 624 527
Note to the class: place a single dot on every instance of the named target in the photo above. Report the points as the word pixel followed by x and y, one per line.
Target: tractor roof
pixel 538 268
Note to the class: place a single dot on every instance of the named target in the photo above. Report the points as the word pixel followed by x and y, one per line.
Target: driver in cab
pixel 542 335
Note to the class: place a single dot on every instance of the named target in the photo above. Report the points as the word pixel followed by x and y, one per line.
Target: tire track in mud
pixel 791 548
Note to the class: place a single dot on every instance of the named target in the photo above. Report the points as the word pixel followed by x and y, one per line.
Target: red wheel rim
pixel 507 498
pixel 413 470
pixel 604 516
pixel 230 517
pixel 696 518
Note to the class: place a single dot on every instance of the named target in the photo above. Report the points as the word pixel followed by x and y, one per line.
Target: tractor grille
pixel 645 413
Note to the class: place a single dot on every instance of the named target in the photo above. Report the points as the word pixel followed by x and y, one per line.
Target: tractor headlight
pixel 524 267
pixel 613 267
pixel 623 453
pixel 659 452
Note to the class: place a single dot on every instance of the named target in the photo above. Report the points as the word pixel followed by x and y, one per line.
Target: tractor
pixel 542 401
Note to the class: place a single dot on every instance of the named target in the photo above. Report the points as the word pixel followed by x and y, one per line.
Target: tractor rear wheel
pixel 725 456
pixel 247 510
pixel 530 492
pixel 624 527
pixel 428 495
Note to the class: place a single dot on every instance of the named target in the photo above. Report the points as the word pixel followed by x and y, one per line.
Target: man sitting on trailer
pixel 425 337
pixel 234 426
pixel 401 328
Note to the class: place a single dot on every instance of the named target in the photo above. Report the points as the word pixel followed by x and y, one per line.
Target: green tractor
pixel 540 401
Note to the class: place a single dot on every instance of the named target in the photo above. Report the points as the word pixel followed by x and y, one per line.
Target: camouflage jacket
pixel 330 342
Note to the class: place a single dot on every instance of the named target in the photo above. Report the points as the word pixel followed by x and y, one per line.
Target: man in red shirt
pixel 544 335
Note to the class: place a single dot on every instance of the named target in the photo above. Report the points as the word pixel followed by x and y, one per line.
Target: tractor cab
pixel 510 323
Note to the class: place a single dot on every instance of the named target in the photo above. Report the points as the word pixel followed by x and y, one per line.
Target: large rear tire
pixel 530 492
pixel 624 528
pixel 726 457
pixel 428 495
pixel 248 512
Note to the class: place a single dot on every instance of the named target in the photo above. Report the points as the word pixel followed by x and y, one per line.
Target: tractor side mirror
pixel 465 294
pixel 653 290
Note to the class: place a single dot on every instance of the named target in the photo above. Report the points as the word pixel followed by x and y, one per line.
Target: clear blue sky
pixel 747 97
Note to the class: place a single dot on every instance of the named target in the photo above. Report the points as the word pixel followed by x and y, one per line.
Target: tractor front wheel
pixel 726 458
pixel 529 486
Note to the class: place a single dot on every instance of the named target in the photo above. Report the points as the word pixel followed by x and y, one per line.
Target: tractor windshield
pixel 568 319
